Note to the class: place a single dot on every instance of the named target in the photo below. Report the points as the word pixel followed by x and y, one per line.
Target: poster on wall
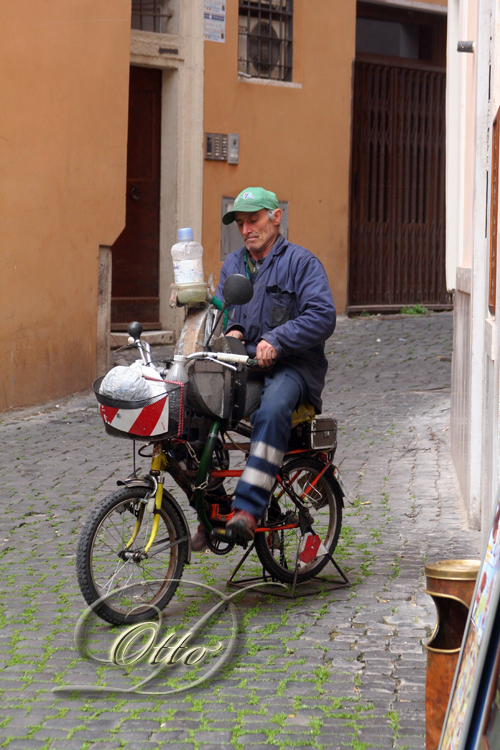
pixel 215 21
pixel 471 710
pixel 490 733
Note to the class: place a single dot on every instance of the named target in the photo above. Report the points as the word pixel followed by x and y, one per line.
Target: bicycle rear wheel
pixel 105 563
pixel 278 550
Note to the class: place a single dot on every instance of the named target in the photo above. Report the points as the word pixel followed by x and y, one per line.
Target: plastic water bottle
pixel 187 256
pixel 178 372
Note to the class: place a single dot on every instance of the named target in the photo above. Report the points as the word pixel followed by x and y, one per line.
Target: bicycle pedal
pixel 228 536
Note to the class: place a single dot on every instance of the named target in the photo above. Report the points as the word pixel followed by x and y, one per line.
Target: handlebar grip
pixel 223 357
pixel 134 330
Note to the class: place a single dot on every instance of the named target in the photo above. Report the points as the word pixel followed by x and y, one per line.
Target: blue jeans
pixel 284 390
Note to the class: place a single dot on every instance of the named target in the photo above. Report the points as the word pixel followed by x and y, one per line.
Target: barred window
pixel 265 39
pixel 151 15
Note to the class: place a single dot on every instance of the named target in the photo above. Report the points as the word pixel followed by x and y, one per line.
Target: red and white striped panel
pixel 310 548
pixel 149 421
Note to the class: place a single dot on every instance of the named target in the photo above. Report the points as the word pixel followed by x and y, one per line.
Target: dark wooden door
pixel 397 236
pixel 136 251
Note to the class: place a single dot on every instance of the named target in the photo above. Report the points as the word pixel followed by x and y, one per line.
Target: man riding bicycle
pixel 284 327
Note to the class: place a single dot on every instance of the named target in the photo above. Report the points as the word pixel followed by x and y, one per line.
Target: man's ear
pixel 278 213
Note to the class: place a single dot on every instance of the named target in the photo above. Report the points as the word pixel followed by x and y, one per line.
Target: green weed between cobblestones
pixel 393 717
pixel 397 568
pixel 376 534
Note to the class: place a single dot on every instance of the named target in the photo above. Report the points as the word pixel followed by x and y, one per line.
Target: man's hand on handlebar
pixel 266 354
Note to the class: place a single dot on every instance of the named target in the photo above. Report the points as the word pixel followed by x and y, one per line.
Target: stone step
pixel 154 338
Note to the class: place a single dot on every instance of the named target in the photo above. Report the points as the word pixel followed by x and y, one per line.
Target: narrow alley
pixel 341 668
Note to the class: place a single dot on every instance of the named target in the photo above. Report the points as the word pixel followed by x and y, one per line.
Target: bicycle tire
pixel 100 570
pixel 277 550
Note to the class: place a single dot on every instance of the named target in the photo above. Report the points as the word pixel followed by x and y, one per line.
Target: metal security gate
pixel 397 236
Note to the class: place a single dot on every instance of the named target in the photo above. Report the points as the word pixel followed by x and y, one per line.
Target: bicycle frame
pixel 301 515
pixel 162 462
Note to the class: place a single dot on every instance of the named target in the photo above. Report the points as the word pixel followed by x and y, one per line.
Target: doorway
pixel 397 221
pixel 136 252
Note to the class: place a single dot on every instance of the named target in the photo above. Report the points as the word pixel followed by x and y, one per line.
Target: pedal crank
pixel 228 536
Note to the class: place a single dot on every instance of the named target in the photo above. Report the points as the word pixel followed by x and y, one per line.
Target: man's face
pixel 259 232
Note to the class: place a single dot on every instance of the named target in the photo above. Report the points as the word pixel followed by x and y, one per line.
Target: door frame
pixel 180 58
pixel 399 10
pixel 181 166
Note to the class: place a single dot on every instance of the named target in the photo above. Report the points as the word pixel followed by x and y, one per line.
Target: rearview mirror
pixel 237 290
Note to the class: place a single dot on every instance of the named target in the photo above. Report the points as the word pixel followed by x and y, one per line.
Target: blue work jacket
pixel 292 308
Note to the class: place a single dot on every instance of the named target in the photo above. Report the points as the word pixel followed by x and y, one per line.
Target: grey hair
pixel 270 214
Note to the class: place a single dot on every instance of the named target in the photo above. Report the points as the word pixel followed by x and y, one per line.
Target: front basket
pixel 155 418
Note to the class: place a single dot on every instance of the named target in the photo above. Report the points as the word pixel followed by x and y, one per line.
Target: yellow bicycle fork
pixel 158 464
pixel 156 519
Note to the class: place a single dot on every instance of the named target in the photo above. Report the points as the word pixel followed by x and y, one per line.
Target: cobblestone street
pixel 336 669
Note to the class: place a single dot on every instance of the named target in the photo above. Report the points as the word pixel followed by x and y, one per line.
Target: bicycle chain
pixel 218 547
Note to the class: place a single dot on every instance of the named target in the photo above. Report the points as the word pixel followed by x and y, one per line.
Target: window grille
pixel 150 15
pixel 265 39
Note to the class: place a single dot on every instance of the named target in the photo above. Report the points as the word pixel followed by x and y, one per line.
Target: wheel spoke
pixel 109 585
pixel 305 486
pixel 101 568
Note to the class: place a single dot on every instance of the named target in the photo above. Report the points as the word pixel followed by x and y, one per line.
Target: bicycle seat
pixel 304 413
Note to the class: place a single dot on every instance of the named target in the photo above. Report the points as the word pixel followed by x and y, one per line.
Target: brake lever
pixel 218 362
pixel 126 346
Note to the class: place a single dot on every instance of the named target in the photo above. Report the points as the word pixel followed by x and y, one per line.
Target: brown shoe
pixel 242 524
pixel 199 539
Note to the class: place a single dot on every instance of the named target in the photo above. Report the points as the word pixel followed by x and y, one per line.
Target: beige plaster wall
pixel 467 63
pixel 64 70
pixel 294 138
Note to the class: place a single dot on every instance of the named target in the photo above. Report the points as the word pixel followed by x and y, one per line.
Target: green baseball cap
pixel 250 200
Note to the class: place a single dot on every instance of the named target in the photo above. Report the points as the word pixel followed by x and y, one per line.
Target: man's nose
pixel 245 228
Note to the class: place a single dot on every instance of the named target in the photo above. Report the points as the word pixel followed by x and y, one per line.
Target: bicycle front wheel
pixel 278 550
pixel 108 561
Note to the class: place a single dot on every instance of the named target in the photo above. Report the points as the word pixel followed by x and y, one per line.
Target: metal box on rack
pixel 324 434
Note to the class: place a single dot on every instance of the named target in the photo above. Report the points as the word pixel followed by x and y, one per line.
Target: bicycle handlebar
pixel 229 358
pixel 221 356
